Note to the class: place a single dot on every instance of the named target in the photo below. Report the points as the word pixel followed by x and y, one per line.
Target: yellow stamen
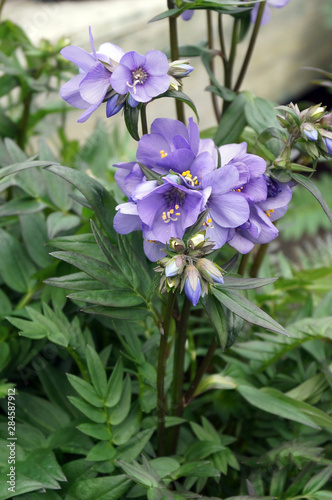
pixel 163 154
pixel 177 213
pixel 176 207
pixel 171 211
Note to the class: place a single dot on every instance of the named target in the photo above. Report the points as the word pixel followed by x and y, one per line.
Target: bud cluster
pixel 312 127
pixel 186 268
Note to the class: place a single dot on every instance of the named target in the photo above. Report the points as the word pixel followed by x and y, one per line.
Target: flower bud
pixel 113 106
pixel 328 144
pixel 210 271
pixel 196 241
pixel 316 112
pixel 177 245
pixel 175 266
pixel 192 285
pixel 310 132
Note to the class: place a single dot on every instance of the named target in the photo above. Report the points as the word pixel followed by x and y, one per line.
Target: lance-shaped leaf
pixel 109 298
pixel 216 314
pixel 195 228
pixel 232 122
pixel 246 309
pixel 101 201
pixel 150 174
pixel 97 372
pixel 310 186
pixel 245 283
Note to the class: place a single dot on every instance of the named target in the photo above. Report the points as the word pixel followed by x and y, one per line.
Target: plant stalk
pixel 201 370
pixel 243 264
pixel 251 47
pixel 174 43
pixel 258 260
pixel 178 370
pixel 144 122
pixel 210 45
pixel 162 356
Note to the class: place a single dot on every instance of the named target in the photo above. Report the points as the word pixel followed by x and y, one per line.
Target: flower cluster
pixel 109 74
pixel 313 126
pixel 178 176
pixel 185 267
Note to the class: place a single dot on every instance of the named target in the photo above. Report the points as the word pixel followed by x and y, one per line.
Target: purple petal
pixel 179 161
pixel 229 210
pixel 229 151
pixel 78 56
pixel 112 108
pixel 255 164
pixel 126 219
pixel 187 14
pixel 156 63
pixel 112 52
pixel 133 60
pixel 222 180
pixel 217 233
pixel 150 147
pixel 207 145
pixel 169 128
pixel 70 92
pixel 143 189
pixel 266 14
pixel 119 79
pixel 202 165
pixel 128 177
pixel 194 139
pixel 154 250
pixel 193 293
pixel 94 86
pixel 92 43
pixel 179 142
pixel 278 4
pixel 255 190
pixel 240 243
pixel 152 87
pixel 83 118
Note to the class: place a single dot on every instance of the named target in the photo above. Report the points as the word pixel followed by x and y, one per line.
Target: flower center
pixel 139 77
pixel 208 223
pixel 272 187
pixel 269 212
pixel 162 153
pixel 174 198
pixel 192 181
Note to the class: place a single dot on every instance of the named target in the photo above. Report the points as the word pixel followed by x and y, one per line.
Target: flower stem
pixel 258 260
pixel 144 122
pixel 178 370
pixel 2 3
pixel 201 370
pixel 250 46
pixel 243 264
pixel 161 400
pixel 210 45
pixel 173 37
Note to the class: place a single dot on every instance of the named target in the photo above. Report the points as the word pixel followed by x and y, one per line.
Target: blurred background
pixel 297 36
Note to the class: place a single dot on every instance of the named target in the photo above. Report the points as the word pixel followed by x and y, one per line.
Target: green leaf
pixel 216 314
pixel 34 235
pixel 246 283
pixel 232 122
pixel 94 414
pixel 202 449
pixel 75 281
pixel 97 431
pixel 164 466
pixel 261 114
pixel 58 222
pixel 310 186
pixel 18 167
pixel 247 310
pixel 273 401
pixel 195 228
pixel 16 268
pixel 317 481
pixel 134 447
pixel 196 469
pixel 131 116
pixel 109 298
pixel 133 314
pixel 8 128
pixel 101 488
pixel 100 200
pixel 19 206
pixel 85 390
pixel 97 372
pixel 101 451
pixel 7 83
pixel 139 474
pixel 130 426
pixel 215 381
pixel 121 409
pixel 114 387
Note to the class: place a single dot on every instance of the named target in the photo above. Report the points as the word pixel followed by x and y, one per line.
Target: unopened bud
pixel 192 285
pixel 310 132
pixel 177 245
pixel 210 271
pixel 196 241
pixel 175 266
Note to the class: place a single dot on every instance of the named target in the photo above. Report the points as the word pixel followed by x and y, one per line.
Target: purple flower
pixel 144 77
pixel 328 144
pixel 278 4
pixel 310 132
pixel 187 14
pixel 89 88
pixel 259 228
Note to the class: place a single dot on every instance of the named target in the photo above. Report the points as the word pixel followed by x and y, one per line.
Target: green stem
pixel 26 299
pixel 201 370
pixel 174 43
pixel 243 264
pixel 22 135
pixel 210 45
pixel 2 3
pixel 258 260
pixel 162 356
pixel 250 46
pixel 83 370
pixel 178 370
pixel 232 53
pixel 144 122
